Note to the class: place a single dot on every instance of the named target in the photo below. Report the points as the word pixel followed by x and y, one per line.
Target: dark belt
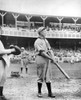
pixel 1 58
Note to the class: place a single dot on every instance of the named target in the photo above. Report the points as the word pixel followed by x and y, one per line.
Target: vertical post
pixel 28 17
pixel 2 19
pixel 75 20
pixel 2 15
pixel 15 15
pixel 44 18
pixel 60 19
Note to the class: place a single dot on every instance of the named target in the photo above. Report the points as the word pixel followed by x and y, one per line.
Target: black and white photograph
pixel 40 49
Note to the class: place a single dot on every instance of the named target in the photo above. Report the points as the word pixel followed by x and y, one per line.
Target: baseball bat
pixel 58 66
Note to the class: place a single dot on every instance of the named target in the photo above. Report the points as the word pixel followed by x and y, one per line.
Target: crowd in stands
pixel 60 55
pixel 51 29
pixel 67 55
pixel 66 26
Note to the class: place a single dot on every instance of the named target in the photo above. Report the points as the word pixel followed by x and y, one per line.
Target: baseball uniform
pixel 4 62
pixel 42 47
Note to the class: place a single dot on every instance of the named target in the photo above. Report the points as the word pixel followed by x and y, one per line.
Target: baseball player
pixel 4 63
pixel 24 59
pixel 42 47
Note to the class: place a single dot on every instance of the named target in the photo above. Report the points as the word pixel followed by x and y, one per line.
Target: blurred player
pixel 4 63
pixel 24 59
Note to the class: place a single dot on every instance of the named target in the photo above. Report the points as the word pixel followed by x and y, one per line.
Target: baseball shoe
pixel 39 95
pixel 51 95
pixel 3 98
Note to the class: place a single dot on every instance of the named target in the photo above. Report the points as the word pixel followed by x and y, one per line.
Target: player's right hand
pixel 53 61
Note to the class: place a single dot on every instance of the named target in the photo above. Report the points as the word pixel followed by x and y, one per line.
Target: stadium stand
pixel 21 33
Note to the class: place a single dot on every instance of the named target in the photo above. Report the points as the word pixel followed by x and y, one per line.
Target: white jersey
pixel 24 54
pixel 3 54
pixel 41 45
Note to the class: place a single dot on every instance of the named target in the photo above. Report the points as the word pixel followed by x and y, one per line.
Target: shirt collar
pixel 41 37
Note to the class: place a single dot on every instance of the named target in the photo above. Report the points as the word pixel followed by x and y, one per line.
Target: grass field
pixel 26 88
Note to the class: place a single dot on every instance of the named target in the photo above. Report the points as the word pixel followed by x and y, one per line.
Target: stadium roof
pixel 70 8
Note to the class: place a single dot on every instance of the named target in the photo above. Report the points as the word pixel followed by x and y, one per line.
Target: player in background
pixel 24 60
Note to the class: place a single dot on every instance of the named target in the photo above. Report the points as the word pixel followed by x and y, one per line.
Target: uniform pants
pixel 24 63
pixel 43 73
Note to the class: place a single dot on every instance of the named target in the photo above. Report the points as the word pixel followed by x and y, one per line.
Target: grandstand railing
pixel 33 34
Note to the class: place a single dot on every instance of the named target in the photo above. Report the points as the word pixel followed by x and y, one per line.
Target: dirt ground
pixel 25 88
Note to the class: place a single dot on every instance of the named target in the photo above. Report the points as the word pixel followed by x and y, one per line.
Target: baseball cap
pixel 22 48
pixel 40 29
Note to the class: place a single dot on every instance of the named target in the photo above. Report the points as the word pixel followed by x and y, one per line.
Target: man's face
pixel 43 33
